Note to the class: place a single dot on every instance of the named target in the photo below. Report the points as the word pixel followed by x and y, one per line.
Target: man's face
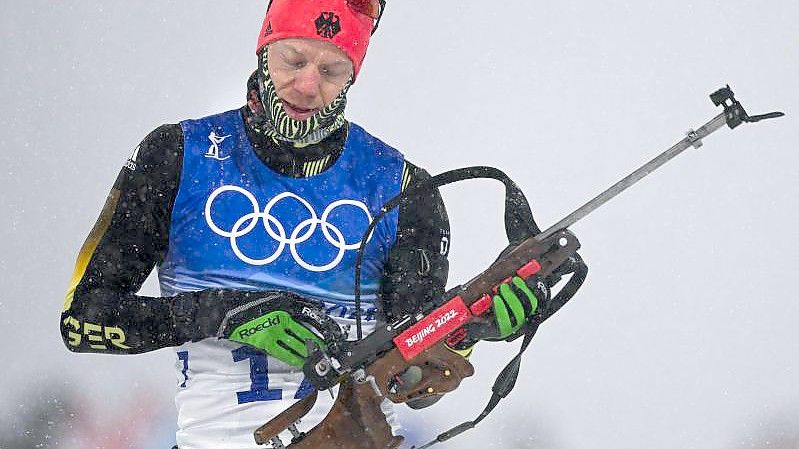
pixel 308 74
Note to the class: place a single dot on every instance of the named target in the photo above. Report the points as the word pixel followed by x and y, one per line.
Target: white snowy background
pixel 685 334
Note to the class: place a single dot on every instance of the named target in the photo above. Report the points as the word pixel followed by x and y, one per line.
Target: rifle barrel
pixel 694 139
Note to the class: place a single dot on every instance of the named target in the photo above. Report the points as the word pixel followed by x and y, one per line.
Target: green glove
pixel 515 302
pixel 279 323
pixel 277 334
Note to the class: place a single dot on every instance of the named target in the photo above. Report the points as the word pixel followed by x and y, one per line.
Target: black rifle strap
pixel 579 271
pixel 503 385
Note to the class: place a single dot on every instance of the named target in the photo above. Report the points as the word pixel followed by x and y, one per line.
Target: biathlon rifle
pixel 530 253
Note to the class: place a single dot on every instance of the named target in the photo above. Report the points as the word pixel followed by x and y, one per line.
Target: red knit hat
pixel 336 21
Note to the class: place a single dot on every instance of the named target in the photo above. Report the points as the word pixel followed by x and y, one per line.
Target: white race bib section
pixel 226 391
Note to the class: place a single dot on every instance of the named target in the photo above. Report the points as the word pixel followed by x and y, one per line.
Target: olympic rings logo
pixel 301 233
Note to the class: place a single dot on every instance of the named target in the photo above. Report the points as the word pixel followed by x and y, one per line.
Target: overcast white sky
pixel 685 334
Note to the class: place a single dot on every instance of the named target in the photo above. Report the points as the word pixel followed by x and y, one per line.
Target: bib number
pixel 259 374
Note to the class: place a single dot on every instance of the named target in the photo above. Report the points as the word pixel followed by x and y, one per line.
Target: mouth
pixel 297 112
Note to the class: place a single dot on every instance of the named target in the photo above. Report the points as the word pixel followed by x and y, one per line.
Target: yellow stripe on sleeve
pixel 87 250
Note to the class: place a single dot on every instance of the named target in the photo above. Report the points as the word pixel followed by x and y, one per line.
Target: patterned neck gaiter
pixel 272 120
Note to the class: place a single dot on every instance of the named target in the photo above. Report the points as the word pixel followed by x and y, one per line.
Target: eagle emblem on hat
pixel 327 25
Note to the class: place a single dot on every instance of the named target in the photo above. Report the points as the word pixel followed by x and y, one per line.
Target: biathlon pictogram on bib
pixel 277 231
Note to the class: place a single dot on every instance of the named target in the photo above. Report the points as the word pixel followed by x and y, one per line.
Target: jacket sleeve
pixel 102 312
pixel 417 267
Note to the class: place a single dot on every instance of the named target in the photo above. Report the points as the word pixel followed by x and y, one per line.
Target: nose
pixel 307 81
